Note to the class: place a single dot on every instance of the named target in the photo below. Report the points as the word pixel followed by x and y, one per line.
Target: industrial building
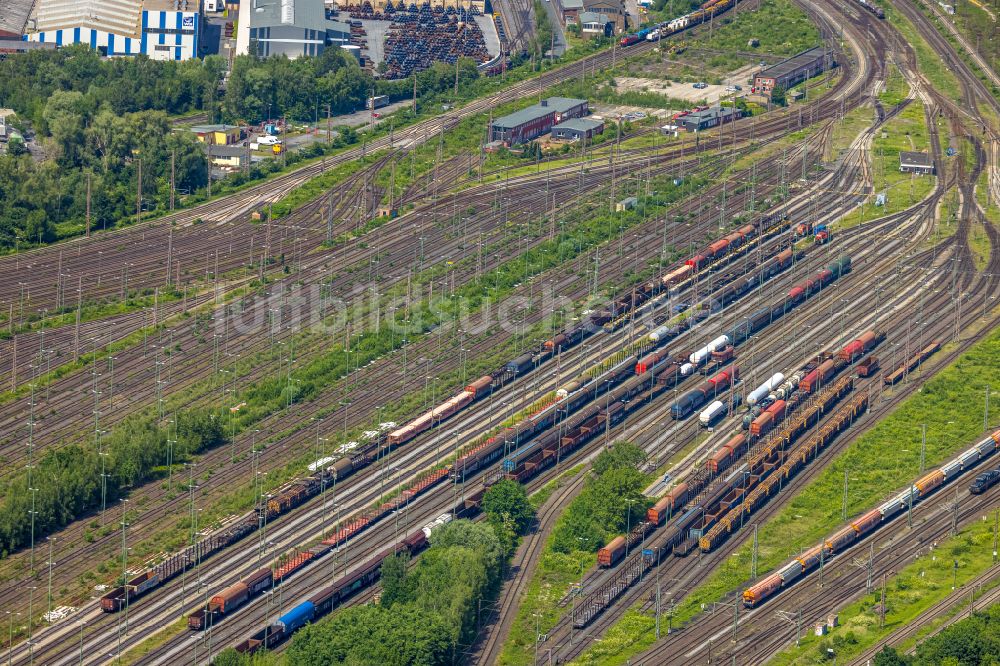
pixel 581 12
pixel 711 117
pixel 913 162
pixel 593 24
pixel 13 18
pixel 160 29
pixel 578 129
pixel 794 70
pixel 227 157
pixel 218 135
pixel 537 119
pixel 292 28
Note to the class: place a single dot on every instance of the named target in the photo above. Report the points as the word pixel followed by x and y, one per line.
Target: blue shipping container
pixel 297 617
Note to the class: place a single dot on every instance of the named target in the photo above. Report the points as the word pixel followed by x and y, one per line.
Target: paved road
pixel 555 10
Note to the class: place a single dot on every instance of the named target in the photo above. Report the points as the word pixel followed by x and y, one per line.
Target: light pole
pixel 10 635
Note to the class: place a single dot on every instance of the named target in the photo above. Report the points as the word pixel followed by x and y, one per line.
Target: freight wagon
pixel 844 537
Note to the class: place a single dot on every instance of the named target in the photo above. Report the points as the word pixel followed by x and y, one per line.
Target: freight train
pixel 870 6
pixel 239 593
pixel 868 522
pixel 331 596
pixel 910 364
pixel 377 443
pixel 754 323
pixel 667 28
pixel 783 398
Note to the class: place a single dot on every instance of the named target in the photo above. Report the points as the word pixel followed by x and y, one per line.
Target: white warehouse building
pixel 160 29
pixel 292 28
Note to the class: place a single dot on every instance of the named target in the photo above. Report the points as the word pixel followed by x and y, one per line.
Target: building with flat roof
pixel 292 28
pixel 577 129
pixel 14 18
pixel 711 117
pixel 571 10
pixel 527 124
pixel 794 70
pixel 914 162
pixel 160 29
pixel 218 135
pixel 593 24
pixel 227 157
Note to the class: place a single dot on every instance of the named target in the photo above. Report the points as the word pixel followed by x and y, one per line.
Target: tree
pixel 394 581
pixel 38 227
pixel 620 455
pixel 506 503
pixel 778 96
pixel 15 146
pixel 889 657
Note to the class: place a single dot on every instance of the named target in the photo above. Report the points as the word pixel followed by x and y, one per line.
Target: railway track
pixel 961 249
pixel 119 389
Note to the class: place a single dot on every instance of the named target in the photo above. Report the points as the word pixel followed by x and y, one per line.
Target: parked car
pixel 268 140
pixel 701 85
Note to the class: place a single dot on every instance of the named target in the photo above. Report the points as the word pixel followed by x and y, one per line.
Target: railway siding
pixel 881 460
pixel 942 571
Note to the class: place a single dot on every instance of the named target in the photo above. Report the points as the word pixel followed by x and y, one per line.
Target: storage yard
pixel 688 293
pixel 407 39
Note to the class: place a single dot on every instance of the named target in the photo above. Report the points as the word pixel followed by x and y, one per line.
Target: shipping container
pixel 711 413
pixel 929 482
pixel 890 508
pixel 297 617
pixel 810 558
pixel 952 469
pixel 840 539
pixel 480 387
pixel 612 552
pixel 790 572
pixel 519 364
pixel 867 522
pixel 762 424
pixel 230 598
pixel 668 504
pixel 755 594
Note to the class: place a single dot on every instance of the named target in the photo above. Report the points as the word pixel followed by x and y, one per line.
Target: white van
pixel 268 140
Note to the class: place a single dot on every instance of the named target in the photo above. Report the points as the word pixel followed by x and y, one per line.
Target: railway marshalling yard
pixel 509 320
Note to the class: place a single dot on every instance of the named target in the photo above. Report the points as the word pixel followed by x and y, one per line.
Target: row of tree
pixel 974 641
pixel 67 482
pixel 428 610
pixel 610 501
pixel 91 122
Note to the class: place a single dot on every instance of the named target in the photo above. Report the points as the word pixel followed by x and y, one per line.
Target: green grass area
pixel 164 634
pixel 632 634
pixel 552 580
pixel 950 404
pixel 907 131
pixel 781 27
pixel 928 60
pixel 845 131
pixel 896 88
pixel 598 511
pixel 979 243
pixel 916 587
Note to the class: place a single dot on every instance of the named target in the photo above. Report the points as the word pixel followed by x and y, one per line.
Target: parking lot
pixel 710 94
